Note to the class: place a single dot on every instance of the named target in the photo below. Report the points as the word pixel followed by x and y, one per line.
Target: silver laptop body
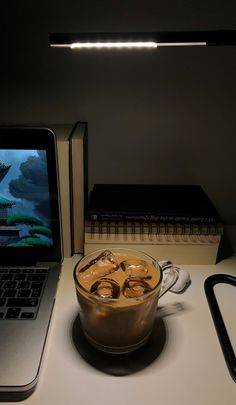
pixel 30 254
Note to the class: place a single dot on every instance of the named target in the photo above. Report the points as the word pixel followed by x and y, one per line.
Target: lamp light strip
pixel 99 45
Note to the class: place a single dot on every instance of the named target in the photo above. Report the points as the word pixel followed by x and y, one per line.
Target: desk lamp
pixel 149 40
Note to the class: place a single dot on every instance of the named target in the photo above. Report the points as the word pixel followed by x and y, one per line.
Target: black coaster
pixel 121 364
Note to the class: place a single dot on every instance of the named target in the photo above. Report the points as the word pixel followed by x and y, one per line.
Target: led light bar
pixel 143 40
pixel 99 45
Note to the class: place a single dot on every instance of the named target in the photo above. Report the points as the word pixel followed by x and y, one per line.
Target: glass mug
pixel 118 292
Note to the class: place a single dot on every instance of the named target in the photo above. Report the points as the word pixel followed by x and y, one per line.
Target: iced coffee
pixel 118 292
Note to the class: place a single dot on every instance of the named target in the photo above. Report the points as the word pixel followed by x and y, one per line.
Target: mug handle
pixel 172 275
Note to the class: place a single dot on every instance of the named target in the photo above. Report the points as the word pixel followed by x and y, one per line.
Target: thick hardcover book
pixel 62 134
pixel 180 243
pixel 78 158
pixel 154 203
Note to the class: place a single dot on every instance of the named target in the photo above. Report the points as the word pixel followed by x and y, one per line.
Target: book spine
pixel 64 187
pixel 78 169
pixel 151 218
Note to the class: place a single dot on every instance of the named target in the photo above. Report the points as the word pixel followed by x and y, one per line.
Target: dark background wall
pixel 155 116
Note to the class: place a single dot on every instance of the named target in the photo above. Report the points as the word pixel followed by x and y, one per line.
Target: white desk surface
pixel 190 370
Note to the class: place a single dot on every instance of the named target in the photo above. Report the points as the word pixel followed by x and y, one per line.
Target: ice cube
pixel 98 267
pixel 134 288
pixel 106 288
pixel 135 268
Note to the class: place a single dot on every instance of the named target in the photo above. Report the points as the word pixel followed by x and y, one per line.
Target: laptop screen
pixel 29 213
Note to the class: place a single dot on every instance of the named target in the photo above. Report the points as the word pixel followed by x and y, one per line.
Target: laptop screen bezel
pixel 35 138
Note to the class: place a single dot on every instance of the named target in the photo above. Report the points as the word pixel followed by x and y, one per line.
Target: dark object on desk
pixel 218 320
pixel 154 203
pixel 121 364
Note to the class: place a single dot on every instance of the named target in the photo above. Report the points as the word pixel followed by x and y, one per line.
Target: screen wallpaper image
pixel 24 199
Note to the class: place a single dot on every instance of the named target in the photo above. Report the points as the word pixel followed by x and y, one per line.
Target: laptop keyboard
pixel 20 292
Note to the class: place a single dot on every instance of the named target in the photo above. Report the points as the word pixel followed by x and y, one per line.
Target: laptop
pixel 30 254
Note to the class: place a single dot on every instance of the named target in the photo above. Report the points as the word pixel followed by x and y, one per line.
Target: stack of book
pixel 174 222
